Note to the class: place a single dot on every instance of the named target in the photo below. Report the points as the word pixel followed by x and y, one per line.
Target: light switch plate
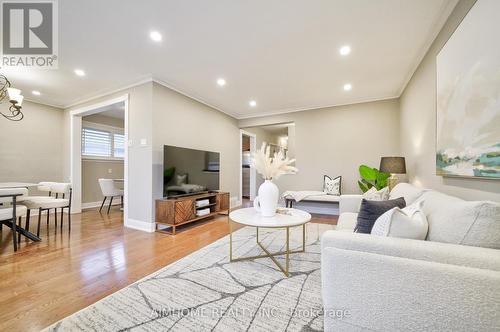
pixel 144 142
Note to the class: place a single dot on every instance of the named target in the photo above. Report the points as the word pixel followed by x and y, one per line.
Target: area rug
pixel 205 292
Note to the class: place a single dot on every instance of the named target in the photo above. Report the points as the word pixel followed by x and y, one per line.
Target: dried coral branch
pixel 272 168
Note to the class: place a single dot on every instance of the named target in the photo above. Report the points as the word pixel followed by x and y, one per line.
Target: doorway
pixel 103 152
pixel 248 175
pixel 117 107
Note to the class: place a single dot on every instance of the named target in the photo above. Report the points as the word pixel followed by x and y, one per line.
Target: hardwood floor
pixel 49 280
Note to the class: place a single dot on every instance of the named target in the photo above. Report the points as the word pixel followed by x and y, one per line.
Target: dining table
pixel 19 228
pixel 8 185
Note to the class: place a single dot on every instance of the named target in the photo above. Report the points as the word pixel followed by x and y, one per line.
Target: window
pixel 98 143
pixel 119 145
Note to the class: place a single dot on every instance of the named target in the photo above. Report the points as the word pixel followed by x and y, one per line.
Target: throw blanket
pixel 300 195
pixel 186 188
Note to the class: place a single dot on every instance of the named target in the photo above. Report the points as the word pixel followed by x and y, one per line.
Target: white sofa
pixel 393 284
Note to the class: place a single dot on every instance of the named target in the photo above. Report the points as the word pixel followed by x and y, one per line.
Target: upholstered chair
pixel 11 209
pixel 61 200
pixel 109 189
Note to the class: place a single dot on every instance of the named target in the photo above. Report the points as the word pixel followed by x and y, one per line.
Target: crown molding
pixel 44 103
pixel 106 93
pixel 303 109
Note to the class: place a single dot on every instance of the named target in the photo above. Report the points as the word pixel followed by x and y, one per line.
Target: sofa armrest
pixel 446 253
pixel 371 291
pixel 350 203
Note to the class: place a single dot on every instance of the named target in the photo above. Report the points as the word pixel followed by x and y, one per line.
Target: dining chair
pixel 43 187
pixel 9 214
pixel 62 200
pixel 109 189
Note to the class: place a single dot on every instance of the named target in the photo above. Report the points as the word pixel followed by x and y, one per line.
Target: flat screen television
pixel 189 171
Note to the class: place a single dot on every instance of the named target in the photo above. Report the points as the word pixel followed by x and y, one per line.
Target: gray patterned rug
pixel 204 292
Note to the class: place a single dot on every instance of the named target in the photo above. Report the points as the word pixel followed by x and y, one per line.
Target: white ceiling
pixel 284 54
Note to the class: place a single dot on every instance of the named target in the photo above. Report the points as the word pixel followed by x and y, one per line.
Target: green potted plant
pixel 372 177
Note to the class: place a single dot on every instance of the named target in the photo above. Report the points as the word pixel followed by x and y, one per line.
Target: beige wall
pixel 336 140
pixel 262 135
pixel 418 124
pixel 105 120
pixel 92 170
pixel 181 121
pixel 31 150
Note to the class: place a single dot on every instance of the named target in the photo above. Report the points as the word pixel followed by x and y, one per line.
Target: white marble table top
pixel 250 217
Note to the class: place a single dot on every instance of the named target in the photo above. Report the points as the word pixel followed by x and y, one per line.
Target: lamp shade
pixel 13 94
pixel 393 165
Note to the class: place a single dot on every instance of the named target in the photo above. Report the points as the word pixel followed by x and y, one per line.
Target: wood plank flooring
pixel 65 272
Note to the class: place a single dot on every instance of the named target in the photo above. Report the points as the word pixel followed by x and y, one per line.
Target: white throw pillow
pixel 464 222
pixel 377 195
pixel 332 186
pixel 409 192
pixel 408 223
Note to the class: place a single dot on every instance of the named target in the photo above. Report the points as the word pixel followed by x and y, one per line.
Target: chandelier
pixel 15 98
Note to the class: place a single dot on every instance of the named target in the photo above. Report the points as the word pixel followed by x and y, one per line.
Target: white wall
pixel 418 124
pixel 336 140
pixel 181 121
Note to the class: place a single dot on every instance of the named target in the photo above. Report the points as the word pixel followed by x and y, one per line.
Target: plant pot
pixel 267 200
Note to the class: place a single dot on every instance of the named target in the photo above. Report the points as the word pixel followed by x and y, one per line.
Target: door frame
pixel 76 151
pixel 253 173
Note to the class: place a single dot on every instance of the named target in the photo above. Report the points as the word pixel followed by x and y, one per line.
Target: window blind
pixel 119 145
pixel 96 143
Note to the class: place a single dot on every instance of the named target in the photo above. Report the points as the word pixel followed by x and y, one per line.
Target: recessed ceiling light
pixel 345 50
pixel 36 93
pixel 155 36
pixel 221 82
pixel 79 72
pixel 252 103
pixel 347 87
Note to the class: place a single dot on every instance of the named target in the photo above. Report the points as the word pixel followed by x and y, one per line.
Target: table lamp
pixel 393 165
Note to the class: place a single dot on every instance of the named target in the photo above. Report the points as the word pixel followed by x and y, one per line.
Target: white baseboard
pixel 91 205
pixel 140 225
pixel 234 202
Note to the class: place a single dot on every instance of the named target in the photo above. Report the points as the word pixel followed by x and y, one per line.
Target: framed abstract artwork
pixel 468 96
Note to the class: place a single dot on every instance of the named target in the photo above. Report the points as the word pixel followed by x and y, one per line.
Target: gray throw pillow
pixel 371 210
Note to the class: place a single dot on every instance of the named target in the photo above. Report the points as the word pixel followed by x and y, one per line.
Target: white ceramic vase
pixel 267 200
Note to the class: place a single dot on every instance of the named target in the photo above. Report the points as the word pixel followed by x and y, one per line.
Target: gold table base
pixel 268 254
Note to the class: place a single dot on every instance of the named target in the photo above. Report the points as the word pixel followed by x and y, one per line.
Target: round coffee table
pixel 286 219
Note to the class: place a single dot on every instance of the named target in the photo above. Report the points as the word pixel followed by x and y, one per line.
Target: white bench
pixel 321 204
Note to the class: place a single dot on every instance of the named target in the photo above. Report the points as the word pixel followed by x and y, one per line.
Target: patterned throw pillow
pixel 377 195
pixel 181 179
pixel 332 186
